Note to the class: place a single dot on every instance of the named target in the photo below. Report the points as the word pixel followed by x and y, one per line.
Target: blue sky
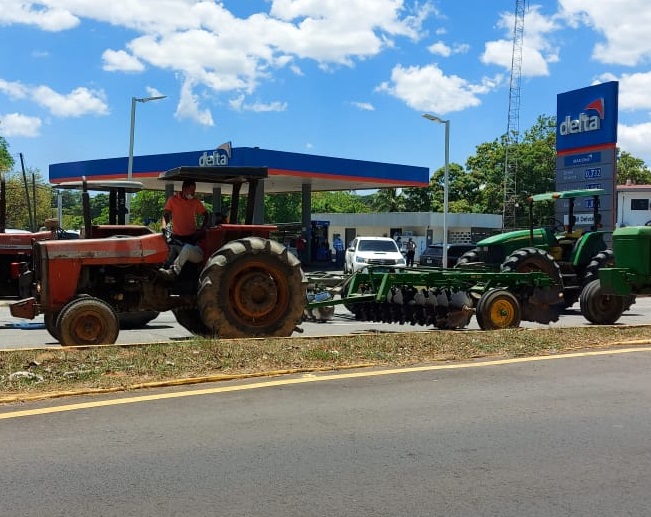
pixel 349 79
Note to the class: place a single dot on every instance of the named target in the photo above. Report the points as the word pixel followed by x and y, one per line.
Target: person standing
pixel 181 211
pixel 338 245
pixel 411 252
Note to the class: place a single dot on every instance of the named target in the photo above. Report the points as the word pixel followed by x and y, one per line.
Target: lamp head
pixel 434 118
pixel 147 99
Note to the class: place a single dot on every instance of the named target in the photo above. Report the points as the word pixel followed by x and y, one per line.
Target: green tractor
pixel 571 256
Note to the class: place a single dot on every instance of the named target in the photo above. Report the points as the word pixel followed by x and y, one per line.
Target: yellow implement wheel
pixel 498 309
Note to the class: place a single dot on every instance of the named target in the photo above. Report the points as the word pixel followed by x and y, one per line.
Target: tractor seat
pixel 568 243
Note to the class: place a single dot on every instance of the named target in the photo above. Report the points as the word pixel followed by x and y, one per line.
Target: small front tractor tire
pixel 50 320
pixel 87 321
pixel 605 258
pixel 600 308
pixel 252 287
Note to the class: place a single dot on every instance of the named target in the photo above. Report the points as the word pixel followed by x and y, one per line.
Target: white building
pixel 423 227
pixel 633 205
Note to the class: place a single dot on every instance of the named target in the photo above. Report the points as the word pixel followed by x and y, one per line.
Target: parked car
pixel 373 251
pixel 433 255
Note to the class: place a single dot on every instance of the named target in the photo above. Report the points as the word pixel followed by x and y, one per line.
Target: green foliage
pixel 147 207
pixel 631 168
pixel 282 208
pixel 6 160
pixel 18 215
pixel 417 199
pixel 464 193
pixel 344 202
pixel 388 200
pixel 535 159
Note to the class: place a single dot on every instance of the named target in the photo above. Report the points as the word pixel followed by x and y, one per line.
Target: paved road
pixel 558 436
pixel 16 333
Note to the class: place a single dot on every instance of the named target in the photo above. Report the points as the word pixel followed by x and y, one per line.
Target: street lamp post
pixel 133 126
pixel 446 184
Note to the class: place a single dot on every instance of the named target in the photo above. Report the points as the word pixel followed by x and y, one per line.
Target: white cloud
pixel 205 43
pixel 441 49
pixel 537 49
pixel 16 124
pixel 188 107
pixel 427 88
pixel 48 16
pixel 624 24
pixel 364 106
pixel 635 139
pixel 633 90
pixel 80 101
pixel 121 61
pixel 238 104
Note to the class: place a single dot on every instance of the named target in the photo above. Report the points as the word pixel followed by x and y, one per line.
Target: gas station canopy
pixel 287 172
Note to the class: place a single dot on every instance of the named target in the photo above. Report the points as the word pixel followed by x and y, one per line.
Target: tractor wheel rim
pixel 258 293
pixel 502 313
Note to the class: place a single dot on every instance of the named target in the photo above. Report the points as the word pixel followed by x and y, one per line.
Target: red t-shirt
pixel 184 212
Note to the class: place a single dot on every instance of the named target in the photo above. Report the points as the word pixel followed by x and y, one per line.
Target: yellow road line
pixel 307 379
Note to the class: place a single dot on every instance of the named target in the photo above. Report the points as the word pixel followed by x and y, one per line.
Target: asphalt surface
pixel 561 435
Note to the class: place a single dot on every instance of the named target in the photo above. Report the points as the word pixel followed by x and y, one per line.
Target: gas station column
pixel 258 211
pixel 216 201
pixel 306 220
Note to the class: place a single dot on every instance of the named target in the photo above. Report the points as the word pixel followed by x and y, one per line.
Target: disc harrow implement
pixel 446 298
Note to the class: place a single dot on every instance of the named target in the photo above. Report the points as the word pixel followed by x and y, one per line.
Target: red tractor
pixel 247 286
pixel 15 250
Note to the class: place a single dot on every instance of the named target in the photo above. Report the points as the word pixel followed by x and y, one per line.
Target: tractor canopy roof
pixel 102 185
pixel 567 194
pixel 228 175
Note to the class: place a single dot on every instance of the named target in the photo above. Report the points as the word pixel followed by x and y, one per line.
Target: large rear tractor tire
pixel 526 260
pixel 498 309
pixel 190 319
pixel 600 308
pixel 87 321
pixel 252 287
pixel 136 320
pixel 470 258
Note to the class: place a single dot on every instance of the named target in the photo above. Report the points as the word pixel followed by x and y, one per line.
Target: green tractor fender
pixel 587 247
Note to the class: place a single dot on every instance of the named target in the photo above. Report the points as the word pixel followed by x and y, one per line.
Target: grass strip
pixel 25 373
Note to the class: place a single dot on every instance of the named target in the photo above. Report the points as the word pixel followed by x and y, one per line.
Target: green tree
pixel 388 200
pixel 464 190
pixel 631 168
pixel 282 207
pixel 341 202
pixel 6 160
pixel 147 207
pixel 418 199
pixel 18 215
pixel 534 155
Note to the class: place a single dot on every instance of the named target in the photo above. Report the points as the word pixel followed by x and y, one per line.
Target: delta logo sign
pixel 219 157
pixel 587 117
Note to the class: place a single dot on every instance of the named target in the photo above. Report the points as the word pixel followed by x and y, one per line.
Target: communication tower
pixel 513 125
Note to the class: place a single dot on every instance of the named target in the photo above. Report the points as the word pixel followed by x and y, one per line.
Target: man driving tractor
pixel 181 211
